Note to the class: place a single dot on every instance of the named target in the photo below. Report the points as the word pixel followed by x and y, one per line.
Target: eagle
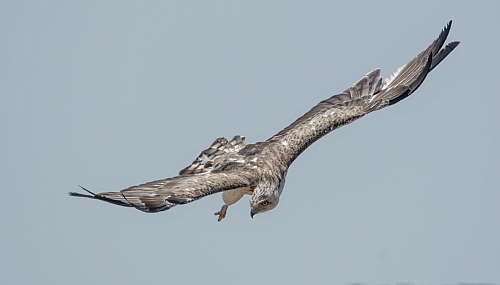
pixel 259 170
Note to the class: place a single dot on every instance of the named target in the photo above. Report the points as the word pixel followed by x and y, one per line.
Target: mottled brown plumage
pixel 260 169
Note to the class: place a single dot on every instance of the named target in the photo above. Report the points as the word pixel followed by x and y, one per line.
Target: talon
pixel 222 213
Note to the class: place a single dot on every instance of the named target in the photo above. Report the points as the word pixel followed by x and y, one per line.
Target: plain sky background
pixel 113 94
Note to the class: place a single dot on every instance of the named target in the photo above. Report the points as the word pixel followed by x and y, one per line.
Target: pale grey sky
pixel 109 95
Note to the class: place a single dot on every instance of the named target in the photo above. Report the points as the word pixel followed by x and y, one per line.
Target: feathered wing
pixel 163 194
pixel 218 168
pixel 365 96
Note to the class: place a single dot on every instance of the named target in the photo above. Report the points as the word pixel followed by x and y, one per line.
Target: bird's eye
pixel 265 203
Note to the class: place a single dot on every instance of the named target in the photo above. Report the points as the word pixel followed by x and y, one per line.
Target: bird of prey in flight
pixel 235 168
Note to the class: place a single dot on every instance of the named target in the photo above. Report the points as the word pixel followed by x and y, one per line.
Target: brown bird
pixel 259 169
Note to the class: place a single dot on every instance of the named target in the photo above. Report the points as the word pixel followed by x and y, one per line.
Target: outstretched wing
pixel 365 96
pixel 163 194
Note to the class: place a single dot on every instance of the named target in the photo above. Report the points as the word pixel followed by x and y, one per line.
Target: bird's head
pixel 262 203
pixel 266 196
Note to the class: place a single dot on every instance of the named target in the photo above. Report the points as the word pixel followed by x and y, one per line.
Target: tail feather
pixel 204 161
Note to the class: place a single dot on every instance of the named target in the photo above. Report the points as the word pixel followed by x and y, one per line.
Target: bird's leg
pixel 230 197
pixel 222 212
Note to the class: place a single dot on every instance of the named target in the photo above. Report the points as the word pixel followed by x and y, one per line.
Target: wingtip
pixel 451 46
pixel 90 192
pixel 447 27
pixel 75 194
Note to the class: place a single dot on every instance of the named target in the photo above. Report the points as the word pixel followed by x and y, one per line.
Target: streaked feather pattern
pixel 261 168
pixel 205 160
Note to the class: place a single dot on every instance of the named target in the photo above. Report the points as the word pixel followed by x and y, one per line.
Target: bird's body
pixel 259 169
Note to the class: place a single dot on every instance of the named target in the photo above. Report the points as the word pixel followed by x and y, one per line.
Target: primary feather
pixel 260 169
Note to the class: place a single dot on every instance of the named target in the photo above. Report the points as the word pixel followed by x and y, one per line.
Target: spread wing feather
pixel 164 194
pixel 365 96
pixel 228 165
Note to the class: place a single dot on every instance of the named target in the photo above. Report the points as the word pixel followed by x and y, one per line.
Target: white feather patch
pixel 204 159
pixel 391 78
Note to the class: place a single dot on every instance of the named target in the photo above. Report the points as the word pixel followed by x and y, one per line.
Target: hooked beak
pixel 252 214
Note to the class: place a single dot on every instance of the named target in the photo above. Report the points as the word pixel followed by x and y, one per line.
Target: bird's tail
pixel 204 161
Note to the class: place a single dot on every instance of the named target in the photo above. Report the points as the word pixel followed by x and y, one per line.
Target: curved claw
pixel 222 212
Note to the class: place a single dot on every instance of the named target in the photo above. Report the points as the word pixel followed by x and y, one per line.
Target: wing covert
pixel 365 96
pixel 164 194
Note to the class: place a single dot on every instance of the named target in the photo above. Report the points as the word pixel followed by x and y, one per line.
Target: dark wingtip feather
pixel 414 72
pixel 438 44
pixel 75 194
pixel 86 190
pixel 443 54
